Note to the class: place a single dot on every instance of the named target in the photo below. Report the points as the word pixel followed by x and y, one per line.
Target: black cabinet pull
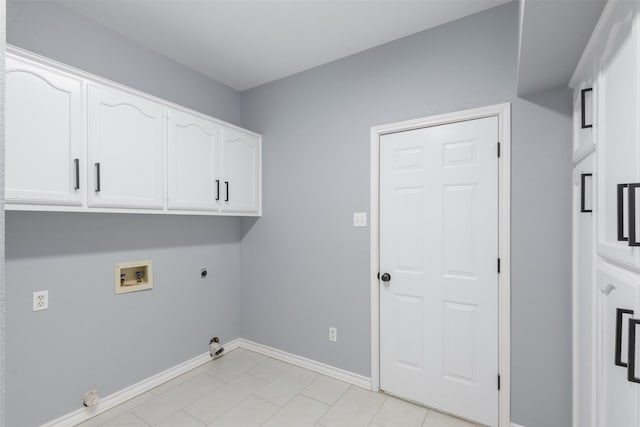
pixel 632 215
pixel 226 183
pixel 217 189
pixel 77 166
pixel 583 179
pixel 619 313
pixel 583 104
pixel 97 177
pixel 621 237
pixel 631 370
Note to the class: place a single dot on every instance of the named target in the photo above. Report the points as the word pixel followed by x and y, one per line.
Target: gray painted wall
pixel 309 266
pixel 91 338
pixel 47 28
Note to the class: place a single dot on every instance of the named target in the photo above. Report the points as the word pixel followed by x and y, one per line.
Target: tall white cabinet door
pixel 193 157
pixel 126 150
pixel 240 172
pixel 44 155
pixel 618 395
pixel 584 303
pixel 617 129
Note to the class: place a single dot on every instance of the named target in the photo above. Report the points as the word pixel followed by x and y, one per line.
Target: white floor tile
pixel 438 419
pixel 326 389
pixel 163 388
pixel 286 386
pixel 179 419
pixel 355 408
pixel 251 412
pixel 170 402
pixel 125 420
pixel 397 413
pixel 230 368
pixel 246 389
pixel 269 369
pixel 215 404
pixel 118 410
pixel 301 411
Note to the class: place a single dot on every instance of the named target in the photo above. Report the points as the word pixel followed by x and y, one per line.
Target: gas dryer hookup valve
pixel 215 348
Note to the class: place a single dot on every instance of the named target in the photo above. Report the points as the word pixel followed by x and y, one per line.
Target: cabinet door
pixel 617 130
pixel 618 396
pixel 584 302
pixel 193 169
pixel 241 180
pixel 126 150
pixel 44 155
pixel 583 117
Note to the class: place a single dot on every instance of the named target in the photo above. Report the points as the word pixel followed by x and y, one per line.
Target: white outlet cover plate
pixel 359 219
pixel 40 300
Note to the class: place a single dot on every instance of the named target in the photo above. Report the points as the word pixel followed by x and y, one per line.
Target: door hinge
pixel 498 265
pixel 498 381
pixel 498 149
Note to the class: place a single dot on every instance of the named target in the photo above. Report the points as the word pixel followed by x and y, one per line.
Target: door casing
pixel 503 112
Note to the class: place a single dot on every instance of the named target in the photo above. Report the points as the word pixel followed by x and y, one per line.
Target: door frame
pixel 503 112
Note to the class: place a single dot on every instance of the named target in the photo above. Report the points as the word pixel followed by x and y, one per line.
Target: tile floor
pixel 244 389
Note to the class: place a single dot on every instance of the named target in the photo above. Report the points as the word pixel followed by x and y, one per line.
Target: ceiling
pixel 246 43
pixel 553 35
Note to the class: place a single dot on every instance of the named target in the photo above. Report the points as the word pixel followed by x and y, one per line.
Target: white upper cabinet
pixel 126 149
pixel 79 143
pixel 617 132
pixel 193 162
pixel 240 174
pixel 44 144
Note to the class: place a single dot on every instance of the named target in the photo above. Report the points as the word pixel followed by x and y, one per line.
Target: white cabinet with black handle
pixel 79 143
pixel 240 172
pixel 44 132
pixel 617 132
pixel 126 150
pixel 606 274
pixel 619 366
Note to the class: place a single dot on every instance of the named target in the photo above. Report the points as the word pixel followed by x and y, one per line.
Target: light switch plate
pixel 359 219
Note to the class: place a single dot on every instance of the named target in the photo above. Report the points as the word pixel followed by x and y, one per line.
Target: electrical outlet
pixel 359 219
pixel 333 334
pixel 40 300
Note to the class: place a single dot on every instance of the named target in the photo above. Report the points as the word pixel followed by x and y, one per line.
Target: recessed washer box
pixel 133 276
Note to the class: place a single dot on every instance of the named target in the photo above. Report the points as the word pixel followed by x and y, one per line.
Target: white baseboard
pixel 312 365
pixel 121 396
pixel 516 425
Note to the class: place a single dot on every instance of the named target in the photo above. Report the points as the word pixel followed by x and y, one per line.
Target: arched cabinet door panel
pixel 126 150
pixel 240 176
pixel 193 162
pixel 44 151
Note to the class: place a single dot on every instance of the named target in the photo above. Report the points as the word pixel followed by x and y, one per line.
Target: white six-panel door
pixel 193 162
pixel 44 135
pixel 439 243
